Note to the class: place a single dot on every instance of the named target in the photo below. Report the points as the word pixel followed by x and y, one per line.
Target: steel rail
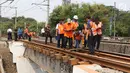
pixel 115 64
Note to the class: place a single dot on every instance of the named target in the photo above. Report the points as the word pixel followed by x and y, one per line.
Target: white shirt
pixel 9 30
pixel 57 26
pixel 42 30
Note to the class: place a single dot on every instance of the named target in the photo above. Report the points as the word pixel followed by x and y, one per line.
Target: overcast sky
pixel 25 7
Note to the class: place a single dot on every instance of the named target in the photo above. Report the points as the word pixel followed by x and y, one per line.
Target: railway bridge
pixel 37 57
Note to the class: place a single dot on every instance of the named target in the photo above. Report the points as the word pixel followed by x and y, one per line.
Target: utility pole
pixel 25 25
pixel 0 11
pixel 0 21
pixel 15 17
pixel 114 20
pixel 48 9
pixel 110 26
pixel 37 29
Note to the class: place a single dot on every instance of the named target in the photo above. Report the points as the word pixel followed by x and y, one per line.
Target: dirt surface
pixel 9 67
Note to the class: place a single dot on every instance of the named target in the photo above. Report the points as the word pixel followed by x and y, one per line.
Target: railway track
pixel 104 59
pixel 115 56
pixel 99 51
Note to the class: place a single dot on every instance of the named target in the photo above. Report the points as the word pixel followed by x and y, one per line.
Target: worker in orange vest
pixel 99 33
pixel 26 33
pixel 68 32
pixel 92 27
pixel 60 33
pixel 76 24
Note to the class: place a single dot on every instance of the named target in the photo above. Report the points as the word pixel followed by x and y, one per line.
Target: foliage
pixel 82 10
pixel 21 21
pixel 100 10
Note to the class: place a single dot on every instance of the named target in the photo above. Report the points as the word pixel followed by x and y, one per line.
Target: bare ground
pixel 9 67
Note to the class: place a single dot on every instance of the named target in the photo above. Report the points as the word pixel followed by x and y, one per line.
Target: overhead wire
pixel 29 8
pixel 23 11
pixel 42 8
pixel 11 6
pixel 8 5
pixel 26 10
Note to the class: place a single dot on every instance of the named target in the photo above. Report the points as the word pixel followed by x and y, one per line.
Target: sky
pixel 25 7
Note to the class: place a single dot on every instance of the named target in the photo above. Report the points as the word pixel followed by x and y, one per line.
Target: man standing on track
pixel 76 24
pixel 92 27
pixel 68 28
pixel 99 34
pixel 48 34
pixel 20 33
pixel 15 35
pixel 9 31
pixel 60 33
pixel 26 33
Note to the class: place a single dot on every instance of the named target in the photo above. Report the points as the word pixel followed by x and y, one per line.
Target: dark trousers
pixel 61 37
pixel 70 42
pixel 29 38
pixel 15 36
pixel 9 35
pixel 20 36
pixel 94 40
pixel 25 36
pixel 85 42
pixel 43 34
pixel 46 38
pixel 98 40
pixel 91 42
pixel 77 43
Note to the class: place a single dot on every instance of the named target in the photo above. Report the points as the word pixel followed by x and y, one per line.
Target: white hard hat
pixel 69 20
pixel 75 17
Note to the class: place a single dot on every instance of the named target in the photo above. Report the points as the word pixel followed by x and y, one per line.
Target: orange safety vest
pixel 75 25
pixel 67 26
pixel 99 31
pixel 61 28
pixel 94 29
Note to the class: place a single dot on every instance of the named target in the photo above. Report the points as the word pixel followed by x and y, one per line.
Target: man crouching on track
pixel 60 33
pixel 68 33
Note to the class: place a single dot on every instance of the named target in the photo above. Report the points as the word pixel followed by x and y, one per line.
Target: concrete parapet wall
pixel 116 48
pixel 48 63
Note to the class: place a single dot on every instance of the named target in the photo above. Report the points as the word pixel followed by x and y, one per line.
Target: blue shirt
pixel 20 31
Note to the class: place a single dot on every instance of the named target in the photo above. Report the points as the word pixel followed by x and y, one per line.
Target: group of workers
pixel 20 34
pixel 69 33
